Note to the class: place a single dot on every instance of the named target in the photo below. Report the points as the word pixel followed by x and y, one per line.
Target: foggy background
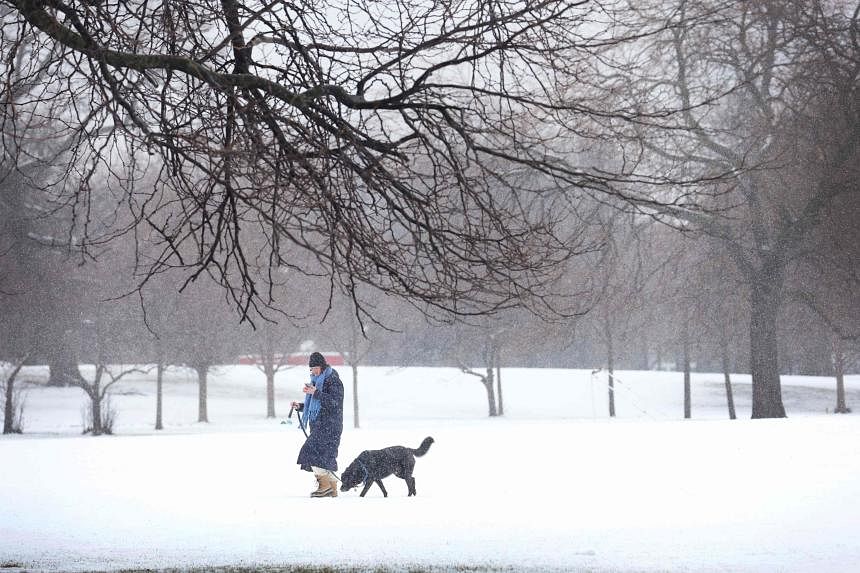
pixel 693 202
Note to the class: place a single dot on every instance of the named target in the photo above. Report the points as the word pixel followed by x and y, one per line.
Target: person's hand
pixel 295 404
pixel 309 389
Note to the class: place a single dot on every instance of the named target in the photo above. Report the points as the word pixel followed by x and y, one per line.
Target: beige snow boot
pixel 325 488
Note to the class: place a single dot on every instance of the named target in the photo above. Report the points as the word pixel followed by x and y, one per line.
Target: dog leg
pixel 382 487
pixel 410 483
pixel 367 485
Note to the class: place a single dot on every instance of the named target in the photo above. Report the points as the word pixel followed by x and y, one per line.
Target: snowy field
pixel 555 485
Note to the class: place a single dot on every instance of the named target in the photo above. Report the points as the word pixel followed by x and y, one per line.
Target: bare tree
pixel 37 270
pixel 827 287
pixel 160 368
pixel 101 415
pixel 721 311
pixel 98 330
pixel 354 345
pixel 701 299
pixel 747 77
pixel 354 341
pixel 272 340
pixel 164 332
pixel 381 139
pixel 624 275
pixel 840 366
pixel 204 335
pixel 487 379
pixel 13 406
pixel 193 328
pixel 487 340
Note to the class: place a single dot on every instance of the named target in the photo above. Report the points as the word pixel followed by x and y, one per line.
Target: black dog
pixel 372 465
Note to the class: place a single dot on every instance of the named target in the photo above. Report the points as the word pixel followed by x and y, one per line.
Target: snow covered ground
pixel 554 485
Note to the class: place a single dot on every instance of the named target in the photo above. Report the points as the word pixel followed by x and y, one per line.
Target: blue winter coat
pixel 320 449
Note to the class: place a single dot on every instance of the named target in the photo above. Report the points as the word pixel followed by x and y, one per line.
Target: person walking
pixel 322 414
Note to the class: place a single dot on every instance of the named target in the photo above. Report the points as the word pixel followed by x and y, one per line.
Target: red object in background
pixel 294 359
pixel 251 359
pixel 301 358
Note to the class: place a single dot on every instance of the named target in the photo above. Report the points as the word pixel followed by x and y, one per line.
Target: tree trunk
pixel 499 386
pixel 688 401
pixel 839 371
pixel 95 398
pixel 202 378
pixel 159 393
pixel 491 396
pixel 8 409
pixel 9 404
pixel 270 388
pixel 269 368
pixel 489 384
pixel 724 349
pixel 488 379
pixel 610 368
pixel 764 356
pixel 355 396
pixel 97 415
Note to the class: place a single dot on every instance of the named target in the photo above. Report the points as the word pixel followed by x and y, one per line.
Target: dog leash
pixel 299 416
pixel 364 467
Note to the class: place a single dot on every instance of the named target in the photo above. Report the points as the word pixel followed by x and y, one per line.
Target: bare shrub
pixel 107 415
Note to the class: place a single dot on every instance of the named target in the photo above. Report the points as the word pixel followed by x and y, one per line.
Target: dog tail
pixel 425 445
